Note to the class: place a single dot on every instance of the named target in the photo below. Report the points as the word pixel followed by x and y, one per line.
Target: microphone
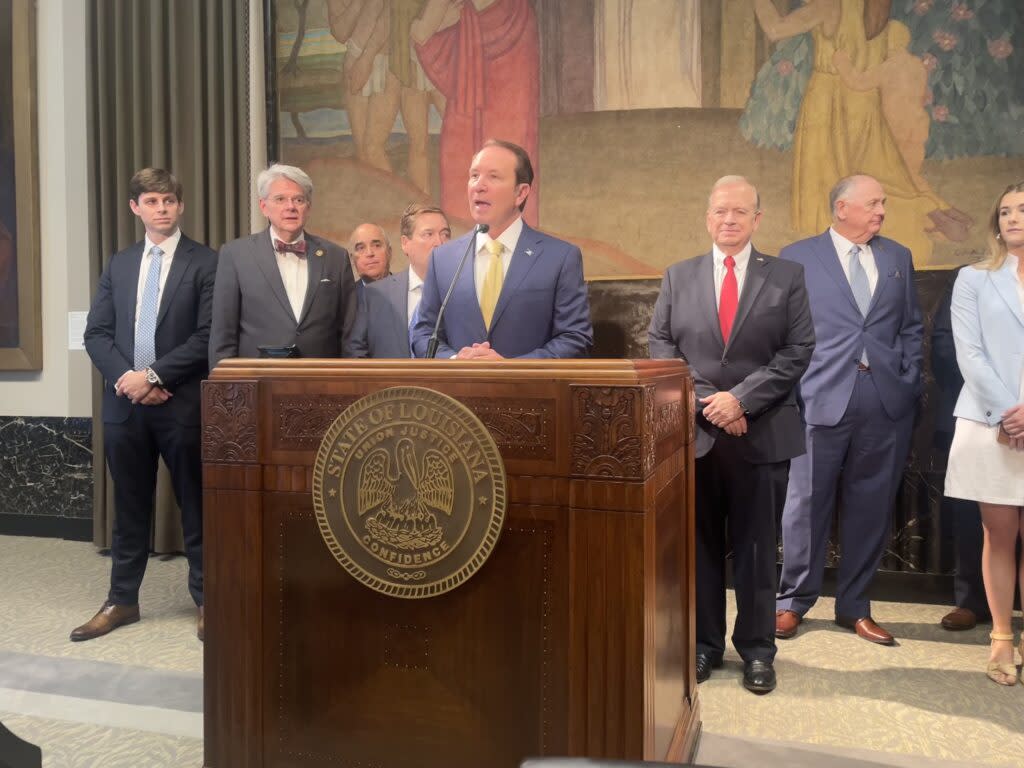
pixel 433 342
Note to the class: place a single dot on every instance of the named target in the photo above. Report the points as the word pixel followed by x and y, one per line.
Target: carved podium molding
pixel 614 435
pixel 229 422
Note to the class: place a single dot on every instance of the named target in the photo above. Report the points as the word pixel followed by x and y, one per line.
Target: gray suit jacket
pixel 382 323
pixel 251 308
pixel 769 348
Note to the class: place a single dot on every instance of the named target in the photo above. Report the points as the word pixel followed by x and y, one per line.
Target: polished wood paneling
pixel 576 637
pixel 233 602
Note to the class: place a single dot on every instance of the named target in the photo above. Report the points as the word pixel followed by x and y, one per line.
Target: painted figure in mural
pixel 737 303
pixel 389 306
pixel 384 77
pixel 484 56
pixel 371 255
pixel 840 131
pixel 902 82
pixel 522 294
pixel 986 458
pixel 858 399
pixel 646 55
pixel 372 95
pixel 284 286
pixel 148 334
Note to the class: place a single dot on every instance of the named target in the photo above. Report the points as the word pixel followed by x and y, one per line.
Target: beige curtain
pixel 168 88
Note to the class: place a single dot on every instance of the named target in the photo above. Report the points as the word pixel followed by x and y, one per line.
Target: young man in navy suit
pixel 858 399
pixel 521 293
pixel 148 333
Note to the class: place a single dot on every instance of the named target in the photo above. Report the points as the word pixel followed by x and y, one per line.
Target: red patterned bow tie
pixel 298 248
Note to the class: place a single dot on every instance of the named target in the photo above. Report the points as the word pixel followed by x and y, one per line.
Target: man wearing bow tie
pixel 147 333
pixel 858 399
pixel 282 287
pixel 741 321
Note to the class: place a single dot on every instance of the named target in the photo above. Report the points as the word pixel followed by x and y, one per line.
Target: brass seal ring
pixel 409 492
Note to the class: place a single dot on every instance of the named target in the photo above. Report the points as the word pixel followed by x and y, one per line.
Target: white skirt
pixel 982 469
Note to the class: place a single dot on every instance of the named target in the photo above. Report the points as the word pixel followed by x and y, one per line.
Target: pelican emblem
pixel 400 507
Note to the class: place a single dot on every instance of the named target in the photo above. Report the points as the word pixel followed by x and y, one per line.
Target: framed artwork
pixel 630 111
pixel 21 347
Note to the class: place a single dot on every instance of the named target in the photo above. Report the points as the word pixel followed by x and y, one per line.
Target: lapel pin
pixel 319 251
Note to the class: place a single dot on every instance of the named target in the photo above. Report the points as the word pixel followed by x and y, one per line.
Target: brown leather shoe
pixel 786 623
pixel 867 629
pixel 200 628
pixel 109 618
pixel 959 619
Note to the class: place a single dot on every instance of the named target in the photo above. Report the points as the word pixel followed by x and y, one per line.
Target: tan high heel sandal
pixel 1002 672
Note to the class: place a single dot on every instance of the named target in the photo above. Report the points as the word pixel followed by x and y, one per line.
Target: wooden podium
pixel 576 637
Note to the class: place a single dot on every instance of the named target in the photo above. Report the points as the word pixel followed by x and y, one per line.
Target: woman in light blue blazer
pixel 986 459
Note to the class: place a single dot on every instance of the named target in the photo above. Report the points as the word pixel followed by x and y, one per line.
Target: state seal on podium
pixel 409 492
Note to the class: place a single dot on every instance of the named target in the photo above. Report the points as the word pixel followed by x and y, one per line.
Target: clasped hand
pixel 724 411
pixel 480 351
pixel 1012 425
pixel 134 386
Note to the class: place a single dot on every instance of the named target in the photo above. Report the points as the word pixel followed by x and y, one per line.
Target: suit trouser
pixel 742 499
pixel 863 456
pixel 133 449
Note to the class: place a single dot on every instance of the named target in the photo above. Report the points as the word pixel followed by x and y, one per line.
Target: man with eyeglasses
pixel 282 288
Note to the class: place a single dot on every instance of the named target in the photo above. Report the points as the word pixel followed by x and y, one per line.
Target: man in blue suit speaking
pixel 858 399
pixel 521 293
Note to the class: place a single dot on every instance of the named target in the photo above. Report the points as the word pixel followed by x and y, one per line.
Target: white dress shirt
pixel 168 246
pixel 294 273
pixel 740 269
pixel 867 258
pixel 509 239
pixel 415 293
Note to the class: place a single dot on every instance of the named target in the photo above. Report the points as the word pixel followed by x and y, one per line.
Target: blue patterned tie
pixel 145 323
pixel 861 288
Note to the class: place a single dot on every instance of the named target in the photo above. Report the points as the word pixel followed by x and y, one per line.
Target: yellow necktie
pixel 493 279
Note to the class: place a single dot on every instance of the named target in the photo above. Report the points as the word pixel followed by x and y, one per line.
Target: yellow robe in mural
pixel 840 132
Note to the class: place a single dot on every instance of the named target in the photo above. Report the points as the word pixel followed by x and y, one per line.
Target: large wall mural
pixel 632 109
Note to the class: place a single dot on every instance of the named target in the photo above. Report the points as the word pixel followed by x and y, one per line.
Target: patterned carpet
pixel 133 699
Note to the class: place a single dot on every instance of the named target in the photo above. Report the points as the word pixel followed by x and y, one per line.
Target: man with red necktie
pixel 282 287
pixel 741 322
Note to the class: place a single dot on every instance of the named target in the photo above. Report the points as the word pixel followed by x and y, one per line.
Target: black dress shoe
pixel 705 663
pixel 758 676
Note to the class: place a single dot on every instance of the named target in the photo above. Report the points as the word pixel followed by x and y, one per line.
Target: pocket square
pixel 896 273
pixel 326 280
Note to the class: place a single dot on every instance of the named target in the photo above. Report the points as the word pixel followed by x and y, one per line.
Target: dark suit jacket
pixel 182 331
pixel 891 333
pixel 382 323
pixel 542 312
pixel 769 348
pixel 251 308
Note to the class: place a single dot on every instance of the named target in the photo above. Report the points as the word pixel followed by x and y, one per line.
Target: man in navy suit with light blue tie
pixel 148 334
pixel 858 401
pixel 521 293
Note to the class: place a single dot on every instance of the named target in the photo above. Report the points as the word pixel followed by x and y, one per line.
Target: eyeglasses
pixel 298 201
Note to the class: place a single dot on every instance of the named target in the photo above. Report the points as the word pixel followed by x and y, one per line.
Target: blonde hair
pixel 996 247
pixel 897 36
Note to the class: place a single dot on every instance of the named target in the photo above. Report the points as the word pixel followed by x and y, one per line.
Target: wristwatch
pixel 151 376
